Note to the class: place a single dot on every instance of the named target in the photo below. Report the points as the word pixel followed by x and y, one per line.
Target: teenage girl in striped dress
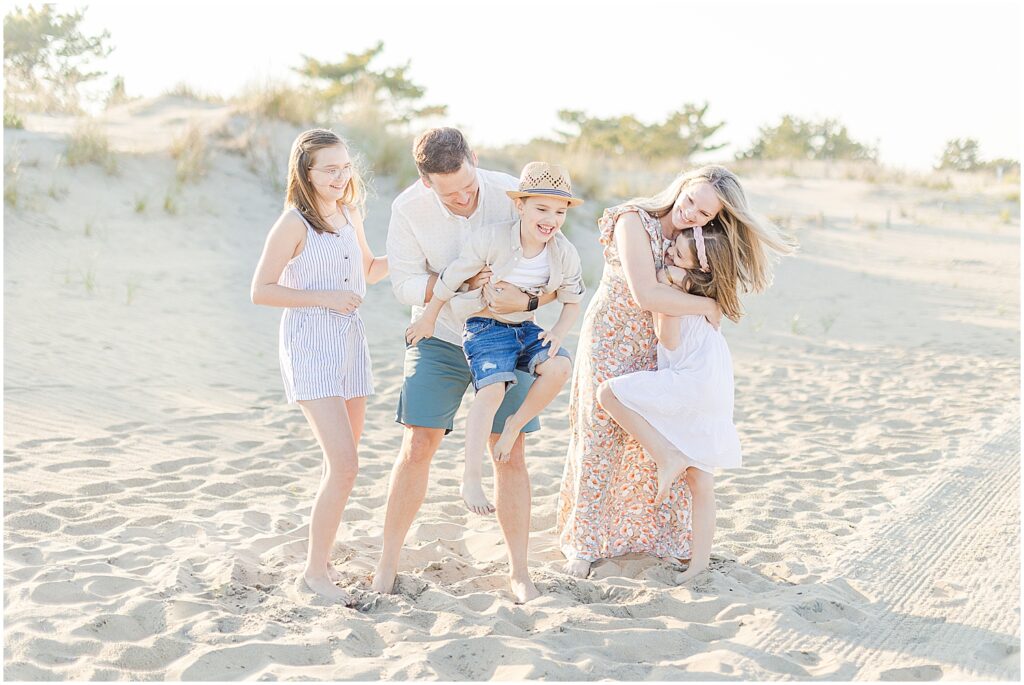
pixel 316 264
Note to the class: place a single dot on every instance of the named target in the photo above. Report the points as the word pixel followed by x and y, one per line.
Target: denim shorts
pixel 495 350
pixel 435 379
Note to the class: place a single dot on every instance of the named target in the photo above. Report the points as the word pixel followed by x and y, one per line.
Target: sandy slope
pixel 155 485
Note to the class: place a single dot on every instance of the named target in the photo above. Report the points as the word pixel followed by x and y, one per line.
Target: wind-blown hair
pixel 756 243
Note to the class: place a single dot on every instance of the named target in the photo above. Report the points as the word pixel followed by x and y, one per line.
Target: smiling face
pixel 459 190
pixel 683 252
pixel 696 205
pixel 541 217
pixel 330 173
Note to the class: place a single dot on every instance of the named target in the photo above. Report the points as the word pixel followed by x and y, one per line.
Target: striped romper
pixel 323 352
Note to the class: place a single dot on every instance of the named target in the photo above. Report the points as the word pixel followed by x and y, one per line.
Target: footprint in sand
pixel 80 464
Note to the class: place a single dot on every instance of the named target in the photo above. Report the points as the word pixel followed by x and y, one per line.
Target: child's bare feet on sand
pixel 475 499
pixel 334 574
pixel 577 568
pixel 323 586
pixel 503 447
pixel 523 589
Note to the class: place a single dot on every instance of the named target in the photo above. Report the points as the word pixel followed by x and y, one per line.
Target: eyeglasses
pixel 333 171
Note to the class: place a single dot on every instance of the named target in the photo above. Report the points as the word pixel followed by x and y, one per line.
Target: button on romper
pixel 324 353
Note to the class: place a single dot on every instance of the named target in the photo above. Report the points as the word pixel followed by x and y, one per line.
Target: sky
pixel 907 76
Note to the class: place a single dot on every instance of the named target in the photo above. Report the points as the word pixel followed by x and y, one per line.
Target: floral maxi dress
pixel 606 504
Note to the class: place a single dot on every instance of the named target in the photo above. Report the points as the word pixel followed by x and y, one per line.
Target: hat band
pixel 546 191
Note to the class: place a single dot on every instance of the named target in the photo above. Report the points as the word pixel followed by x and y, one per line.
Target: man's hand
pixel 481 279
pixel 505 298
pixel 418 330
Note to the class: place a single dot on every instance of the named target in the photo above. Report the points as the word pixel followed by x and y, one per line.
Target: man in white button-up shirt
pixel 430 222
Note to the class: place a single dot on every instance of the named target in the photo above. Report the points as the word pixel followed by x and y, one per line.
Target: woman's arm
pixel 375 269
pixel 282 245
pixel 634 247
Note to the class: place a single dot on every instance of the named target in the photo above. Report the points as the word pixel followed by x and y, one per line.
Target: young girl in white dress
pixel 682 413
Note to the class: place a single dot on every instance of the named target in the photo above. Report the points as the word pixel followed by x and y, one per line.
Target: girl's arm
pixel 634 247
pixel 374 268
pixel 282 245
pixel 666 326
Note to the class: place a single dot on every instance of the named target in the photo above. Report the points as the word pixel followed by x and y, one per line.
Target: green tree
pixel 961 154
pixel 795 138
pixel 353 83
pixel 47 58
pixel 682 134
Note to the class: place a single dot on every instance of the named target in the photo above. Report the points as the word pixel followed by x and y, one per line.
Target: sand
pixel 156 486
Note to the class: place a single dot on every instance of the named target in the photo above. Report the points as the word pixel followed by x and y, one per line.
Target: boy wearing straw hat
pixel 532 254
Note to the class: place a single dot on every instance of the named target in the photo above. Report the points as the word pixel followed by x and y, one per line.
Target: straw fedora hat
pixel 540 179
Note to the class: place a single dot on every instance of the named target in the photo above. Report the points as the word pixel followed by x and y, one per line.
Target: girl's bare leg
pixel 670 461
pixel 702 492
pixel 356 418
pixel 329 420
pixel 478 430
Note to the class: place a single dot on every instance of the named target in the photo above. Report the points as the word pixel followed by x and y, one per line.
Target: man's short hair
pixel 440 151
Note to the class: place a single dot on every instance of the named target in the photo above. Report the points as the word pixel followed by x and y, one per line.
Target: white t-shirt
pixel 531 273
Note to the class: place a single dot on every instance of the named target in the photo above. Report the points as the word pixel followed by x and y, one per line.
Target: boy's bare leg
pixel 512 495
pixel 406 490
pixel 478 428
pixel 670 461
pixel 552 375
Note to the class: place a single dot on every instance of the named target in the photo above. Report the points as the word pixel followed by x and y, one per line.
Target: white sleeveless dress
pixel 323 353
pixel 689 399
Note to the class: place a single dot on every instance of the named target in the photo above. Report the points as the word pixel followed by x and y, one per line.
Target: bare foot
pixel 523 589
pixel 383 583
pixel 670 465
pixel 690 573
pixel 475 499
pixel 577 568
pixel 323 586
pixel 334 574
pixel 502 450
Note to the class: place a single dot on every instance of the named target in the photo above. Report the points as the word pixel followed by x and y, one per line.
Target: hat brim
pixel 573 201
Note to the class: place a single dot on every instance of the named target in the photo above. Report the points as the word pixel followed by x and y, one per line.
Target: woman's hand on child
pixel 505 298
pixel 553 339
pixel 419 329
pixel 342 301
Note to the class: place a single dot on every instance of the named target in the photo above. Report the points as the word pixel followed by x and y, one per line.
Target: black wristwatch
pixel 534 301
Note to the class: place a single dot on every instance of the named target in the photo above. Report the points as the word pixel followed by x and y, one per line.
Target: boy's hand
pixel 481 279
pixel 419 330
pixel 552 339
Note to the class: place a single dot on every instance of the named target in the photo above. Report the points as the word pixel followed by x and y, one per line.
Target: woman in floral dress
pixel 606 505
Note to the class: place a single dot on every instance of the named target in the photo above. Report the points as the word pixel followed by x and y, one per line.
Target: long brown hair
pixel 300 193
pixel 755 242
pixel 721 282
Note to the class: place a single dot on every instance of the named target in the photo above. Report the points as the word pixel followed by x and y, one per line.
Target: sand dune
pixel 156 486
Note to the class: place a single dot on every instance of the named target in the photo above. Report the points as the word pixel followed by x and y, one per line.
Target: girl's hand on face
pixel 342 301
pixel 662 276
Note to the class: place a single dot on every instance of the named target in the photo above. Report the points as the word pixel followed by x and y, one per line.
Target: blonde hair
pixel 755 242
pixel 300 192
pixel 721 281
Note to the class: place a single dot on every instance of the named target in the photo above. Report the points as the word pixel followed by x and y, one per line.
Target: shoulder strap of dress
pixel 309 226
pixel 348 217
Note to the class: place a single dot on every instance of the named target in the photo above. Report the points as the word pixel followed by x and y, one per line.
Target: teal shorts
pixel 436 378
